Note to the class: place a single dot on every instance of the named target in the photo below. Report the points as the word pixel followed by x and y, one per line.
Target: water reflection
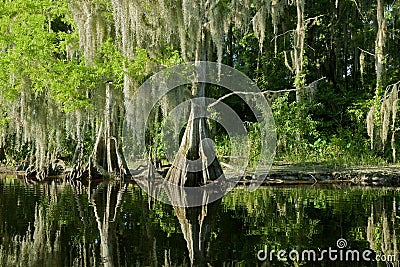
pixel 106 200
pixel 195 222
pixel 112 224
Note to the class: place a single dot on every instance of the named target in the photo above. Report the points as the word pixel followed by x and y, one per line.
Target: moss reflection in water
pixel 312 218
pixel 59 224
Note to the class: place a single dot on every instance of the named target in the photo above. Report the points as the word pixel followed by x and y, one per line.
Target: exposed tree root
pixel 104 162
pixel 32 172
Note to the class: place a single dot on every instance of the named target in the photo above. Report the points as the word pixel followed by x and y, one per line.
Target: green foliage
pixel 69 85
pixel 138 68
pixel 41 56
pixel 169 58
pixel 222 145
pixel 292 120
pixel 349 146
pixel 254 135
pixel 110 63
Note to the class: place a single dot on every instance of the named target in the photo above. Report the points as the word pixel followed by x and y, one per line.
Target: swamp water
pixel 57 224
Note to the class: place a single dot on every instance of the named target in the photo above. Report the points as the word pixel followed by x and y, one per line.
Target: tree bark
pixel 299 49
pixel 230 46
pixel 379 47
pixel 192 147
pixel 298 59
pixel 107 156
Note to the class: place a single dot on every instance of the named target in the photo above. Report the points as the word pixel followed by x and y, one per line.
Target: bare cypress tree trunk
pixel 379 46
pixel 107 156
pixel 107 129
pixel 192 147
pixel 109 153
pixel 299 50
pixel 298 59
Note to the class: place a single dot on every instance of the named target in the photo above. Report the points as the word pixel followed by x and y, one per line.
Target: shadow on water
pixel 115 224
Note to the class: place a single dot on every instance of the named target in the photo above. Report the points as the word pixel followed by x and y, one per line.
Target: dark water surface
pixel 57 224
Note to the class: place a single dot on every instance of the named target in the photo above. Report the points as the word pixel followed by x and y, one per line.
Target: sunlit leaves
pixel 69 85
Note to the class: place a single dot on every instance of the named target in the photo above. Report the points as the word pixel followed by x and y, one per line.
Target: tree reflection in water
pixel 195 222
pixel 112 224
pixel 106 200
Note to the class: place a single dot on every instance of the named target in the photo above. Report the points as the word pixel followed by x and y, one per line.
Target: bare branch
pixel 364 19
pixel 292 89
pixel 286 32
pixel 263 92
pixel 279 35
pixel 287 62
pixel 391 85
pixel 314 19
pixel 311 47
pixel 367 52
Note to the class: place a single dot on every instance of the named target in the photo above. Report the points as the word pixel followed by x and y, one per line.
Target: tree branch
pixel 279 35
pixel 365 51
pixel 288 31
pixel 313 19
pixel 263 92
pixel 364 19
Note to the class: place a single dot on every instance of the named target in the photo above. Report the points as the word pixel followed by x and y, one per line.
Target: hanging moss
pixel 387 122
pixel 93 26
pixel 370 126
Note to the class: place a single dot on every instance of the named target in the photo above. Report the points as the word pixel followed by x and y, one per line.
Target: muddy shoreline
pixel 292 174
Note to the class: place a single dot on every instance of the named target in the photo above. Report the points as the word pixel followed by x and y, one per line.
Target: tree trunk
pixel 107 156
pixel 230 46
pixel 299 50
pixel 379 47
pixel 345 55
pixel 298 60
pixel 2 155
pixel 194 146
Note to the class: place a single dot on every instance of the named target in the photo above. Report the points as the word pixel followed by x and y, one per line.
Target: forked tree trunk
pixel 107 152
pixel 107 156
